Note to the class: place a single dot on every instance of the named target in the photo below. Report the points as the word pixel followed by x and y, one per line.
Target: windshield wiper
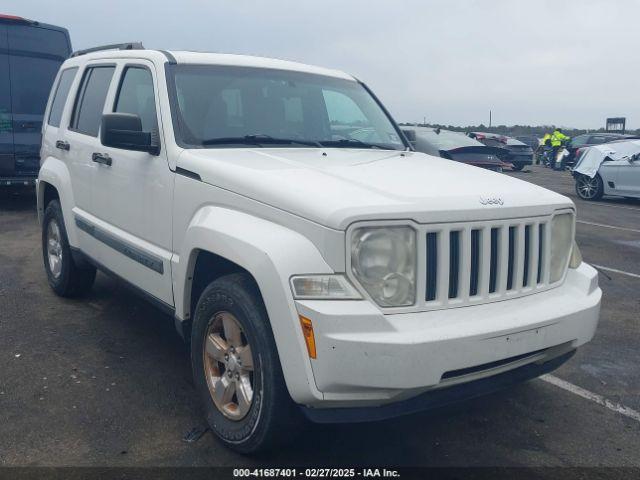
pixel 352 142
pixel 259 140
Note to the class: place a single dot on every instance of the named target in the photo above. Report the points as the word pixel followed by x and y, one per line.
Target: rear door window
pixel 136 96
pixel 60 97
pixel 87 112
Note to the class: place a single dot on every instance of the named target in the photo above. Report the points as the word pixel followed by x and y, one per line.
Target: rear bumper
pixel 18 181
pixel 520 159
pixel 439 397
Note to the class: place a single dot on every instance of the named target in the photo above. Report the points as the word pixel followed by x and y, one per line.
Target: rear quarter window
pixel 61 95
pixel 89 105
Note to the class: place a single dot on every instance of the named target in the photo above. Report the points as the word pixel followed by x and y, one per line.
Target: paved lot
pixel 106 381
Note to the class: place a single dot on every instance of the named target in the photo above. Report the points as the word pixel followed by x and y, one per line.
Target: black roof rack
pixel 114 46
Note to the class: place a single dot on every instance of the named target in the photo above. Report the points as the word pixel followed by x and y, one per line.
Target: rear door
pixel 82 138
pixel 7 162
pixel 35 54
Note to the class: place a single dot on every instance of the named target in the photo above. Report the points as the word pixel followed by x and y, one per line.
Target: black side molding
pixel 134 253
pixel 188 173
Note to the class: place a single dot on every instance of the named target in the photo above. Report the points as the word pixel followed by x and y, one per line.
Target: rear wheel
pixel 65 277
pixel 588 188
pixel 237 370
pixel 517 167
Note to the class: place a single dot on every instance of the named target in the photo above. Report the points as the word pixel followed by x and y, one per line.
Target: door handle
pixel 102 158
pixel 62 145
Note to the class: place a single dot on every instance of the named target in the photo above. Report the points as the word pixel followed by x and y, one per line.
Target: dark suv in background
pixel 30 55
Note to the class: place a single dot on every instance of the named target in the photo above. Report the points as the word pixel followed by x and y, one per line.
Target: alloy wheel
pixel 587 187
pixel 54 249
pixel 228 364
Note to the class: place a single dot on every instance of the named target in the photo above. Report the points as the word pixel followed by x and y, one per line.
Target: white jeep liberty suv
pixel 318 266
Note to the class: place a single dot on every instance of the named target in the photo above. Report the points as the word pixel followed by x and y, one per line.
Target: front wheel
pixel 237 370
pixel 66 278
pixel 588 188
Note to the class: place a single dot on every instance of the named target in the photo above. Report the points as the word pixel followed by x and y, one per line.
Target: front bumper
pixel 365 358
pixel 437 398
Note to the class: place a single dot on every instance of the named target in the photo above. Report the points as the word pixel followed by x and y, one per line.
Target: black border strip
pixel 188 173
pixel 170 58
pixel 148 260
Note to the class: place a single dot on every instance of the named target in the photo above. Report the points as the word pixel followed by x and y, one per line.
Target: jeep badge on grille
pixel 491 201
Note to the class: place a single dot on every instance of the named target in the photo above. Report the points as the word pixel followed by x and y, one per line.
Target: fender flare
pixel 272 254
pixel 55 173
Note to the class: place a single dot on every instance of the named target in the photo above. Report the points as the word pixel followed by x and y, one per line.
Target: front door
pixel 132 197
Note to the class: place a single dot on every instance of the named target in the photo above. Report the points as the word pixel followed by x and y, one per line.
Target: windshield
pixel 226 106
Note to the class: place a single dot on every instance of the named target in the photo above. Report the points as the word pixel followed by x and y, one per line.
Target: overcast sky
pixel 564 62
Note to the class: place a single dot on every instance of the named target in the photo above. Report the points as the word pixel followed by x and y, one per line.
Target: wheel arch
pixel 54 182
pixel 219 241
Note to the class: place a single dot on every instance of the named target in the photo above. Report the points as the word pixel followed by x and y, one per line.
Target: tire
pixel 517 167
pixel 270 416
pixel 66 278
pixel 589 188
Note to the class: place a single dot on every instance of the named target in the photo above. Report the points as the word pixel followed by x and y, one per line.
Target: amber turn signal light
pixel 309 338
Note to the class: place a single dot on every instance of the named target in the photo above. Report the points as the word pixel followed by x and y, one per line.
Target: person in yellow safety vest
pixel 557 140
pixel 544 145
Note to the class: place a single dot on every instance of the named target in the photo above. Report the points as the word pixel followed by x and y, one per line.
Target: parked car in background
pixel 609 169
pixel 513 151
pixel 30 55
pixel 455 146
pixel 532 140
pixel 577 144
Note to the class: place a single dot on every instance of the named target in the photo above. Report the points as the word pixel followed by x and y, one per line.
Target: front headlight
pixel 561 243
pixel 323 287
pixel 383 260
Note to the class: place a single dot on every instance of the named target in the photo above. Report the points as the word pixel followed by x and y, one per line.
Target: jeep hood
pixel 335 187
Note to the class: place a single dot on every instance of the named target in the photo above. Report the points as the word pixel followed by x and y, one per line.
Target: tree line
pixel 515 130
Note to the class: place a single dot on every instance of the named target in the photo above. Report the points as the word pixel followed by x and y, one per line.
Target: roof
pixel 16 20
pixel 206 58
pixel 251 61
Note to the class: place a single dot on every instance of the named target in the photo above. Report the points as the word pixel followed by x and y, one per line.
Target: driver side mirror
pixel 124 130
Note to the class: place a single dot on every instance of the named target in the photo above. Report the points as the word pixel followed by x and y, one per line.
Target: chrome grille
pixel 472 263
